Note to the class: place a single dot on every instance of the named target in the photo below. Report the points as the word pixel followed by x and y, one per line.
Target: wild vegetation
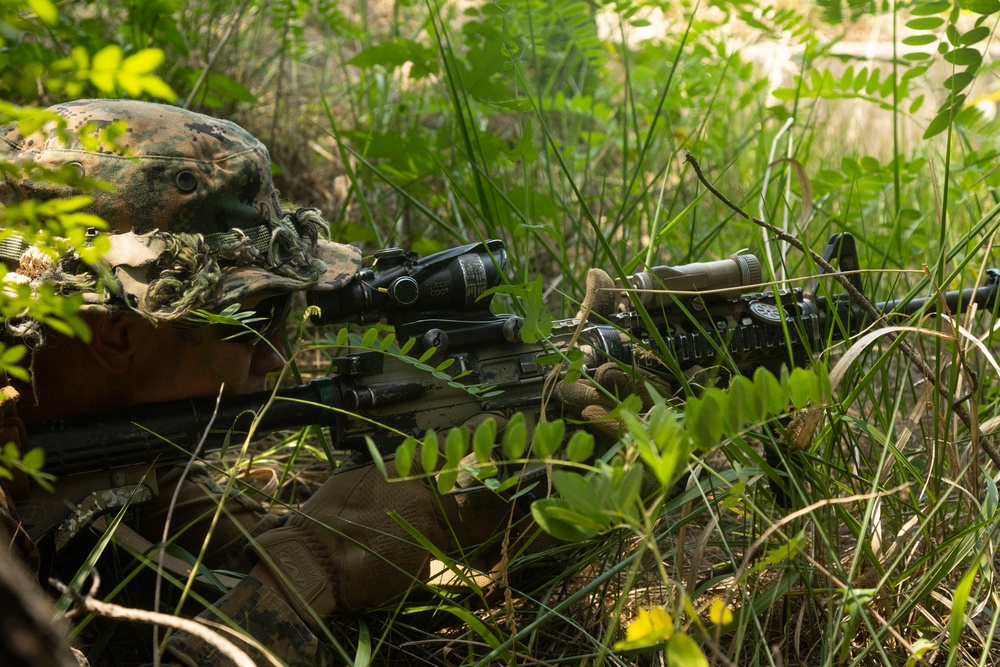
pixel 562 128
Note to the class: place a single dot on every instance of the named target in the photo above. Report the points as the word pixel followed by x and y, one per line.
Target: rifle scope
pixel 400 284
pixel 723 278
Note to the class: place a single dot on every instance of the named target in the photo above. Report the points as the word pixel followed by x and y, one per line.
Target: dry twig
pixel 107 610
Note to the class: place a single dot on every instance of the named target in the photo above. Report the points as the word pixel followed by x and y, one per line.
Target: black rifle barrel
pixel 163 432
pixel 956 302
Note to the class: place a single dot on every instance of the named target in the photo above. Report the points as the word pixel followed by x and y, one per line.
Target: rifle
pixel 667 320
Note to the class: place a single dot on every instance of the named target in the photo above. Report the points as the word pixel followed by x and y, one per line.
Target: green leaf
pixel 860 79
pixel 446 480
pixel 928 23
pixel 974 36
pixel 956 621
pixel 785 94
pixel 670 447
pixel 885 90
pixel 230 88
pixel 915 71
pixel 580 447
pixel 484 439
pixel 390 55
pixel 627 490
pixel 404 456
pixel 736 413
pixel 17 372
pixel 873 82
pixel 782 553
pixel 958 81
pixel 964 56
pixel 951 32
pixel 547 438
pixel 704 419
pixel 983 7
pixel 407 346
pixel 919 40
pixel 429 453
pixel 938 124
pixel 555 518
pixel 515 437
pixel 46 11
pixel 513 105
pixel 34 459
pixel 682 651
pixel 847 78
pixel 107 58
pixel 525 149
pixel 143 62
pixel 577 491
pixel 369 337
pixel 10 356
pixel 537 319
pixel 801 383
pixel 549 359
pixel 735 495
pixel 929 8
pixel 455 446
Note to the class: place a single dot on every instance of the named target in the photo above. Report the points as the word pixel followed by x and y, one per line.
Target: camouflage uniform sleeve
pixel 263 616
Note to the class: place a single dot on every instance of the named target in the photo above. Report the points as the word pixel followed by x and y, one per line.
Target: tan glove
pixel 343 552
pixel 601 299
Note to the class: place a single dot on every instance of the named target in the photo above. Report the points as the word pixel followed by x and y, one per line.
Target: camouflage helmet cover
pixel 194 217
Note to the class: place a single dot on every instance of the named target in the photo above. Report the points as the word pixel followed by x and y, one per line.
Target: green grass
pixel 522 122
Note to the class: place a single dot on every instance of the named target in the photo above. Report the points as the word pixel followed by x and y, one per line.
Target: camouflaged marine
pixel 194 217
pixel 195 223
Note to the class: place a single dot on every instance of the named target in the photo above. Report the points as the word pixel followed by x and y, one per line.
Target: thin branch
pixel 108 610
pixel 161 556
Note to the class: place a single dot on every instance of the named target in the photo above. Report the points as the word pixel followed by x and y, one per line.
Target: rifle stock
pixel 387 396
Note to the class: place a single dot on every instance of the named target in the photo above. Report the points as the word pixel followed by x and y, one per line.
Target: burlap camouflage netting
pixel 194 218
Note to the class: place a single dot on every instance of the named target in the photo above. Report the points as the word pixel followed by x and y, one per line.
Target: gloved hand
pixel 343 552
pixel 584 399
pixel 601 298
pixel 592 400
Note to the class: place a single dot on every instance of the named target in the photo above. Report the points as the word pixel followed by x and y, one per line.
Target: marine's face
pixel 200 362
pixel 130 362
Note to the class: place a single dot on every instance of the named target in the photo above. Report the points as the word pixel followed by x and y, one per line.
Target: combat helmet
pixel 194 218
